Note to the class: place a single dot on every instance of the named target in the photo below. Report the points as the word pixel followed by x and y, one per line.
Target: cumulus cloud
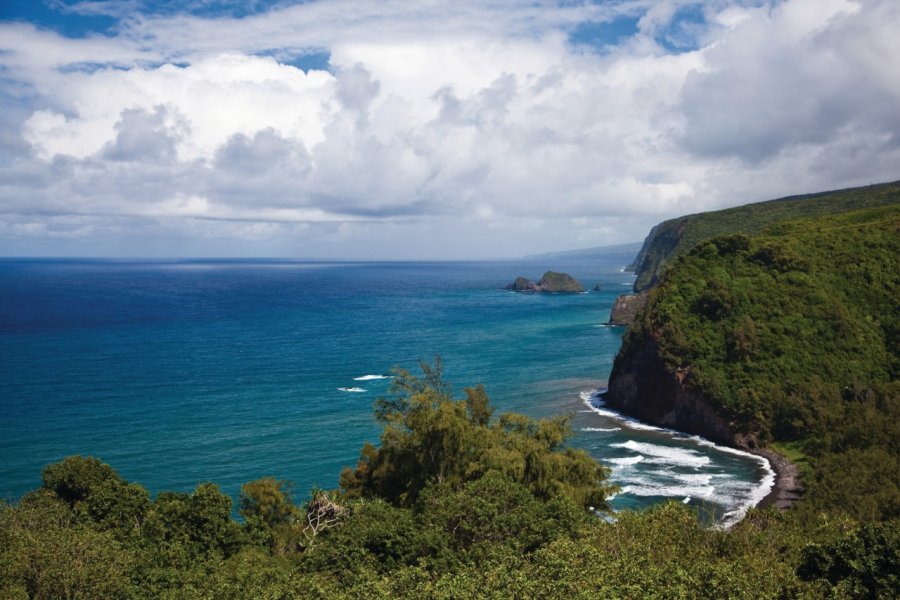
pixel 473 129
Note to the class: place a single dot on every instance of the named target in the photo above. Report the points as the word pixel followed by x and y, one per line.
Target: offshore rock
pixel 551 283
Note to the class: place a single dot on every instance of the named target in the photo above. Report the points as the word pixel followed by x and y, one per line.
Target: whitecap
pixel 354 390
pixel 626 460
pixel 746 494
pixel 601 429
pixel 668 491
pixel 371 377
pixel 757 493
pixel 691 478
pixel 593 402
pixel 665 455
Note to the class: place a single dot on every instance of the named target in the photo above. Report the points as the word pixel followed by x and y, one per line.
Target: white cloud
pixel 474 130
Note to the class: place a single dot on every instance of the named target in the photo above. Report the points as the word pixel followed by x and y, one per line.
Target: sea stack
pixel 551 283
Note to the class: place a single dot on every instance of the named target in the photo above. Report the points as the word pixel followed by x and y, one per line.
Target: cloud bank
pixel 434 130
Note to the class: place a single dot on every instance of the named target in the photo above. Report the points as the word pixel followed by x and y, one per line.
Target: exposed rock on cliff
pixel 640 385
pixel 626 308
pixel 551 283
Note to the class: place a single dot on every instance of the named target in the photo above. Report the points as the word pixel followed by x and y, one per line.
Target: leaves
pixel 430 438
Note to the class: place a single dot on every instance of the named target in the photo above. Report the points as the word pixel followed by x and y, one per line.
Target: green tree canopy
pixel 431 438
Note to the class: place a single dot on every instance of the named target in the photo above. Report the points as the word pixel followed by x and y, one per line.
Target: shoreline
pixel 787 488
pixel 783 490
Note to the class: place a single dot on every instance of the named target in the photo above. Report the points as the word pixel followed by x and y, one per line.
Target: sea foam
pixel 666 455
pixel 744 494
pixel 593 402
pixel 626 461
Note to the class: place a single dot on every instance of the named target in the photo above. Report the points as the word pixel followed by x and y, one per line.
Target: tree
pixel 862 564
pixel 268 500
pixel 270 517
pixel 97 494
pixel 182 528
pixel 430 438
pixel 45 552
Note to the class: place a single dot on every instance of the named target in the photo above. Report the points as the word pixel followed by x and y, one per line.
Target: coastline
pixel 780 484
pixel 787 488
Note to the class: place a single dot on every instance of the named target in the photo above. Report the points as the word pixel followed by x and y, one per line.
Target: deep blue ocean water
pixel 179 372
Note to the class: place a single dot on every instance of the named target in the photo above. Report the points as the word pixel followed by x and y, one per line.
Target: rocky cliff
pixel 658 248
pixel 641 386
pixel 626 308
pixel 742 332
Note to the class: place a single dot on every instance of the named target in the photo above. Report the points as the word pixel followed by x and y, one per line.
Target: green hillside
pixel 793 335
pixel 676 236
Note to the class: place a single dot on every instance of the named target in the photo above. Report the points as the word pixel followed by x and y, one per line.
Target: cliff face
pixel 658 248
pixel 640 385
pixel 766 330
pixel 626 308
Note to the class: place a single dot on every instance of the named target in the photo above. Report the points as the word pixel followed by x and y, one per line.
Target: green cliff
pixel 788 335
pixel 676 236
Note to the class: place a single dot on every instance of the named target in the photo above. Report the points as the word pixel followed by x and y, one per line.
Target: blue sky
pixel 398 129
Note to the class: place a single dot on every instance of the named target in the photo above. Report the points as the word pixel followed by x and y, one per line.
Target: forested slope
pixel 792 336
pixel 674 237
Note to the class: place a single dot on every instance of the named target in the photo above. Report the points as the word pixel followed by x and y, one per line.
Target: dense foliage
pixel 430 438
pixel 506 519
pixel 794 335
pixel 675 237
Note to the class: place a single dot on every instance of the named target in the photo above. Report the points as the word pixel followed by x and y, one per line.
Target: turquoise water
pixel 181 372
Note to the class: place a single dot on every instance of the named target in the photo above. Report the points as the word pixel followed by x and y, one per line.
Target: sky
pixel 404 130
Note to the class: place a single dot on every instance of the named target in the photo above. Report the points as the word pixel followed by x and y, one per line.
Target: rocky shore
pixel 787 488
pixel 641 386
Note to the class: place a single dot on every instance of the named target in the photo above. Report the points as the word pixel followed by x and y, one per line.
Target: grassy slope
pixel 677 236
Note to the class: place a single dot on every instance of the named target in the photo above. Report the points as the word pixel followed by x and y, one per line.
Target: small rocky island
pixel 551 283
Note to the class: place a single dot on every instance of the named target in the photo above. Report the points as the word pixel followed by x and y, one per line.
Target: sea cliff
pixel 643 387
pixel 626 308
pixel 788 336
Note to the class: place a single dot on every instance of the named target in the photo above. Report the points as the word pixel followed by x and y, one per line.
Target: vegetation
pixel 455 503
pixel 794 336
pixel 551 283
pixel 431 439
pixel 675 237
pixel 790 327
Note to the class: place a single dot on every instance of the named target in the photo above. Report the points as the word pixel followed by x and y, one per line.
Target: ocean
pixel 184 371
